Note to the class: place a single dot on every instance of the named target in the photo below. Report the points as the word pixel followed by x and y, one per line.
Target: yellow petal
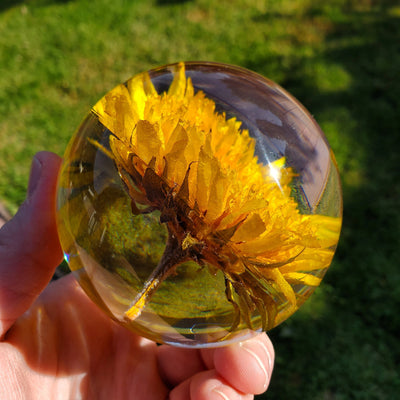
pixel 178 85
pixel 139 88
pixel 328 229
pixel 267 243
pixel 218 193
pixel 148 144
pixel 283 285
pixel 176 162
pixel 177 141
pixel 296 278
pixel 206 168
pixel 116 113
pixel 309 260
pixel 253 227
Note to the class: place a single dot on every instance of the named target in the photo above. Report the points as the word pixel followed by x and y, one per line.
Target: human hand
pixel 56 344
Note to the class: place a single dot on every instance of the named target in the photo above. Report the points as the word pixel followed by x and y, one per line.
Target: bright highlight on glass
pixel 199 202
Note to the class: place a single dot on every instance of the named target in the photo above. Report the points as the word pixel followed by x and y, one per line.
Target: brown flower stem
pixel 173 256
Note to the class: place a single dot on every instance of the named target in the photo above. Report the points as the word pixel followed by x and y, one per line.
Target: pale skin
pixel 56 344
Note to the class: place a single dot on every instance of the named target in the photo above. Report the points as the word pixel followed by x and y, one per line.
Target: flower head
pixel 222 207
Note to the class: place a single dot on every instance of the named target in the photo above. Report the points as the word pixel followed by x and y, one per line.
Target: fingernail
pixel 220 394
pixel 265 370
pixel 36 170
pixel 224 393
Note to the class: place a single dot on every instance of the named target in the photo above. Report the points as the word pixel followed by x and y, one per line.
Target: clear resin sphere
pixel 198 203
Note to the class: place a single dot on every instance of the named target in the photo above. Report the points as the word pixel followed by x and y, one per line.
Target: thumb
pixel 29 246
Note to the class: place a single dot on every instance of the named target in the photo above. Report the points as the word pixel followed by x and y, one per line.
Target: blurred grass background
pixel 340 58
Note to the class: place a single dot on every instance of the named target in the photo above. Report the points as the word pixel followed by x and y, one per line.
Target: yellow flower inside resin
pixel 223 209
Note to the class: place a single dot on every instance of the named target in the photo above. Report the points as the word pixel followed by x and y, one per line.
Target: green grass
pixel 340 58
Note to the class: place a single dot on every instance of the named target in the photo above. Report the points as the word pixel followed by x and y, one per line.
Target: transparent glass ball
pixel 199 203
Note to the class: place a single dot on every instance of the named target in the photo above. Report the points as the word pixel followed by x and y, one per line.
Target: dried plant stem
pixel 173 256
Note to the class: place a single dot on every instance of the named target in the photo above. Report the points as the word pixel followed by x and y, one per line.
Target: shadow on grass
pixel 350 349
pixel 6 4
